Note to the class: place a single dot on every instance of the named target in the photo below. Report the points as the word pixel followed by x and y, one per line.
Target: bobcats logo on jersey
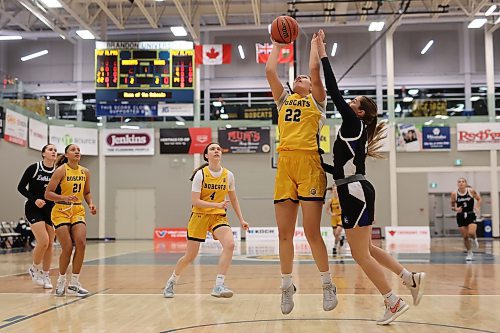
pixel 313 191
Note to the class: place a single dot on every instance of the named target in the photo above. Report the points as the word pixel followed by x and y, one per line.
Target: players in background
pixel 333 209
pixel 462 202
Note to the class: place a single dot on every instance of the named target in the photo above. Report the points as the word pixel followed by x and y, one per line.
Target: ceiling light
pixel 52 3
pixel 224 116
pixel 180 123
pixel 475 98
pixel 127 120
pixel 490 10
pixel 427 46
pixel 129 127
pixel 217 104
pixel 376 26
pixel 477 23
pixel 85 34
pixel 242 54
pixel 334 49
pixel 34 55
pixel 178 31
pixel 408 99
pixel 413 92
pixel 228 126
pixel 10 37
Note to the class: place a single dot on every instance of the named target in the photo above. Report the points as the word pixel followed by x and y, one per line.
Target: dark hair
pixel 62 158
pixel 375 133
pixel 44 148
pixel 205 151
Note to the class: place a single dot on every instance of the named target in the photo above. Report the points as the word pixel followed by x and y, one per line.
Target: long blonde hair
pixel 375 132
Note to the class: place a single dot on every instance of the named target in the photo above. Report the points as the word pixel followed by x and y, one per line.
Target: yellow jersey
pixel 73 182
pixel 336 210
pixel 213 189
pixel 300 120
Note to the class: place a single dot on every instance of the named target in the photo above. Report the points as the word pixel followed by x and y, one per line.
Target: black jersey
pixel 36 177
pixel 466 201
pixel 350 147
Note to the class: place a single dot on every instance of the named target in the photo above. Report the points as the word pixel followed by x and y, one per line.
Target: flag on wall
pixel 264 50
pixel 213 54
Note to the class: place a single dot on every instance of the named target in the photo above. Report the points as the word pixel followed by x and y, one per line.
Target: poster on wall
pixel 2 119
pixel 478 136
pixel 184 140
pixel 85 138
pixel 408 138
pixel 126 142
pixel 246 140
pixel 16 128
pixel 436 138
pixel 38 134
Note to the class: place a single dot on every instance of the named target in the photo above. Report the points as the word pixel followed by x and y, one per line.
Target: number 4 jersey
pixel 73 183
pixel 300 120
pixel 213 187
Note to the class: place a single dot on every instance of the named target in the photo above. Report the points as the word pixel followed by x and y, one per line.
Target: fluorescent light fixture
pixel 178 31
pixel 127 120
pixel 98 118
pixel 51 3
pixel 427 123
pixel 228 126
pixel 408 99
pixel 427 46
pixel 34 55
pixel 413 92
pixel 10 37
pixel 242 54
pixel 99 124
pixel 444 117
pixel 69 125
pixel 334 49
pixel 224 116
pixel 376 26
pixel 397 109
pixel 85 34
pixel 477 23
pixel 129 127
pixel 475 98
pixel 217 104
pixel 180 123
pixel 490 10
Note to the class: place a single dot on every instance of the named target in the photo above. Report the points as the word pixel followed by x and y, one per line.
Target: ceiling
pixel 107 18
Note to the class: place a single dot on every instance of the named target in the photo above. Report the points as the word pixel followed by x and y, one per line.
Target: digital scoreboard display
pixel 136 75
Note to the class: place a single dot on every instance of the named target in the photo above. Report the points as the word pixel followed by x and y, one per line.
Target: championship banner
pixel 123 142
pixel 436 138
pixel 38 134
pixel 478 136
pixel 16 128
pixel 85 138
pixel 2 121
pixel 184 140
pixel 408 138
pixel 246 140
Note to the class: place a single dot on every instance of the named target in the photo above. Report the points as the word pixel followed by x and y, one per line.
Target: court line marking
pixel 320 319
pixel 103 293
pixel 50 309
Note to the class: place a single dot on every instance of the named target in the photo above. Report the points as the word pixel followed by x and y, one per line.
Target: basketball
pixel 284 29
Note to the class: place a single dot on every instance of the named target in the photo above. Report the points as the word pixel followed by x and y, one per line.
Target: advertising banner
pixel 126 142
pixel 244 139
pixel 38 134
pixel 262 233
pixel 184 140
pixel 408 239
pixel 16 128
pixel 436 138
pixel 126 110
pixel 85 138
pixel 408 138
pixel 478 136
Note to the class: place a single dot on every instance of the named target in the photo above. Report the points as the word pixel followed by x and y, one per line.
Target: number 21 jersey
pixel 73 182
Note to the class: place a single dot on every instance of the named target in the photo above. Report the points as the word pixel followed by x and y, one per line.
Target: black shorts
pixel 464 219
pixel 34 214
pixel 357 201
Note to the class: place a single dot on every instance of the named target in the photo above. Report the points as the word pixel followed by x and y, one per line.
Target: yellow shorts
pixel 299 176
pixel 63 214
pixel 199 224
pixel 336 221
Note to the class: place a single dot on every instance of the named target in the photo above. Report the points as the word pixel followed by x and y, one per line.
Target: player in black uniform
pixel 359 136
pixel 462 202
pixel 37 211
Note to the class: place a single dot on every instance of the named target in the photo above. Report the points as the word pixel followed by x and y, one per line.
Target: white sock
pixel 74 279
pixel 173 277
pixel 326 277
pixel 286 281
pixel 391 298
pixel 219 280
pixel 406 276
pixel 37 267
pixel 62 277
pixel 46 273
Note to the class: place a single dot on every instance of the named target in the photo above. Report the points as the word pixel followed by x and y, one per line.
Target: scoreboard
pixel 136 75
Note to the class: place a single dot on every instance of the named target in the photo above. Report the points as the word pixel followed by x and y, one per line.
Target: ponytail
pixel 375 135
pixel 61 159
pixel 197 169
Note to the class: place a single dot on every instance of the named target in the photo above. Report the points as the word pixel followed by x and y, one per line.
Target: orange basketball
pixel 284 29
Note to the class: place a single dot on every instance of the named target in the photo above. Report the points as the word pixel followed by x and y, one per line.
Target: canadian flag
pixel 264 50
pixel 213 54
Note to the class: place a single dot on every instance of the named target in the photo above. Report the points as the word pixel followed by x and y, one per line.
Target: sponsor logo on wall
pixel 16 128
pixel 478 136
pixel 245 139
pixel 85 138
pixel 435 137
pixel 38 134
pixel 184 140
pixel 120 142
